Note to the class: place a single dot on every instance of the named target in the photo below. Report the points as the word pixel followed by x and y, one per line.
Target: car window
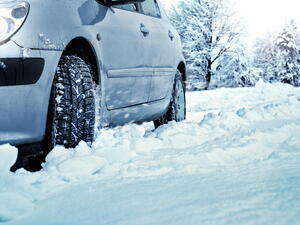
pixel 150 8
pixel 130 7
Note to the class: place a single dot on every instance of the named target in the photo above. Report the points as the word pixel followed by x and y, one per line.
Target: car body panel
pixel 162 57
pixel 24 108
pixel 123 47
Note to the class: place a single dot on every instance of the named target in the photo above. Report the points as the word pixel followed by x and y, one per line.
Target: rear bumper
pixel 25 84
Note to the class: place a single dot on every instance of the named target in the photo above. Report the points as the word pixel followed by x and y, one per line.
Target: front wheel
pixel 177 108
pixel 73 104
pixel 71 116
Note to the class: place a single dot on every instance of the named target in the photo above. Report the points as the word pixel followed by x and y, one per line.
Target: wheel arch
pixel 182 69
pixel 81 47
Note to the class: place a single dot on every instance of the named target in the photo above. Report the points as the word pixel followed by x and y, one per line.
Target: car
pixel 70 67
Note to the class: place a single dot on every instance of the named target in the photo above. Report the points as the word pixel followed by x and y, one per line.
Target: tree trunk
pixel 208 74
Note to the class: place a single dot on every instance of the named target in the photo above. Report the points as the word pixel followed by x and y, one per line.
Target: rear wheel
pixel 177 108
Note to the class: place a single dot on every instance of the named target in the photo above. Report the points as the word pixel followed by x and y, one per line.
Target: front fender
pixel 52 24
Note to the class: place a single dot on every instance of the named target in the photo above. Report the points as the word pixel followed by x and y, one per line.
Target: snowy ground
pixel 236 160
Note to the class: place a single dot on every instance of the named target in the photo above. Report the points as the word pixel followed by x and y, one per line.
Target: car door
pixel 123 43
pixel 162 50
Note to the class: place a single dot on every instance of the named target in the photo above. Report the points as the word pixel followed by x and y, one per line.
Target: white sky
pixel 264 15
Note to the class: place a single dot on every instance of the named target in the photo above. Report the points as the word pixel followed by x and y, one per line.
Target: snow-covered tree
pixel 266 58
pixel 209 33
pixel 289 58
pixel 233 70
pixel 277 57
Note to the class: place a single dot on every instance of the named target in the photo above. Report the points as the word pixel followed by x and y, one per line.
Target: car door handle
pixel 144 30
pixel 171 35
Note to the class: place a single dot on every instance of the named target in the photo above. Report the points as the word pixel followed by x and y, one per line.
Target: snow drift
pixel 234 161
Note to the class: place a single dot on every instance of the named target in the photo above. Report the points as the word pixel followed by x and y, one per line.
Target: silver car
pixel 69 67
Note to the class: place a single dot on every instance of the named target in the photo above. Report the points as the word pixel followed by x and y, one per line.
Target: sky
pixel 263 16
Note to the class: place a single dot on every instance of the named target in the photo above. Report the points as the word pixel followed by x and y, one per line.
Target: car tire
pixel 71 114
pixel 72 103
pixel 177 108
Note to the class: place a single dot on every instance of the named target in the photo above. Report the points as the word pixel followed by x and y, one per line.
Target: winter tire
pixel 177 108
pixel 73 103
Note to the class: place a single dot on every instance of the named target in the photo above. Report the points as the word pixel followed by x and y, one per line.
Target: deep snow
pixel 236 160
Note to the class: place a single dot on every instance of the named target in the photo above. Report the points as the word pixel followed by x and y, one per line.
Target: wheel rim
pixel 179 102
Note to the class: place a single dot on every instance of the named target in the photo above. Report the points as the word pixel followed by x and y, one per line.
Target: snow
pixel 47 43
pixel 2 65
pixel 235 160
pixel 25 52
pixel 8 156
